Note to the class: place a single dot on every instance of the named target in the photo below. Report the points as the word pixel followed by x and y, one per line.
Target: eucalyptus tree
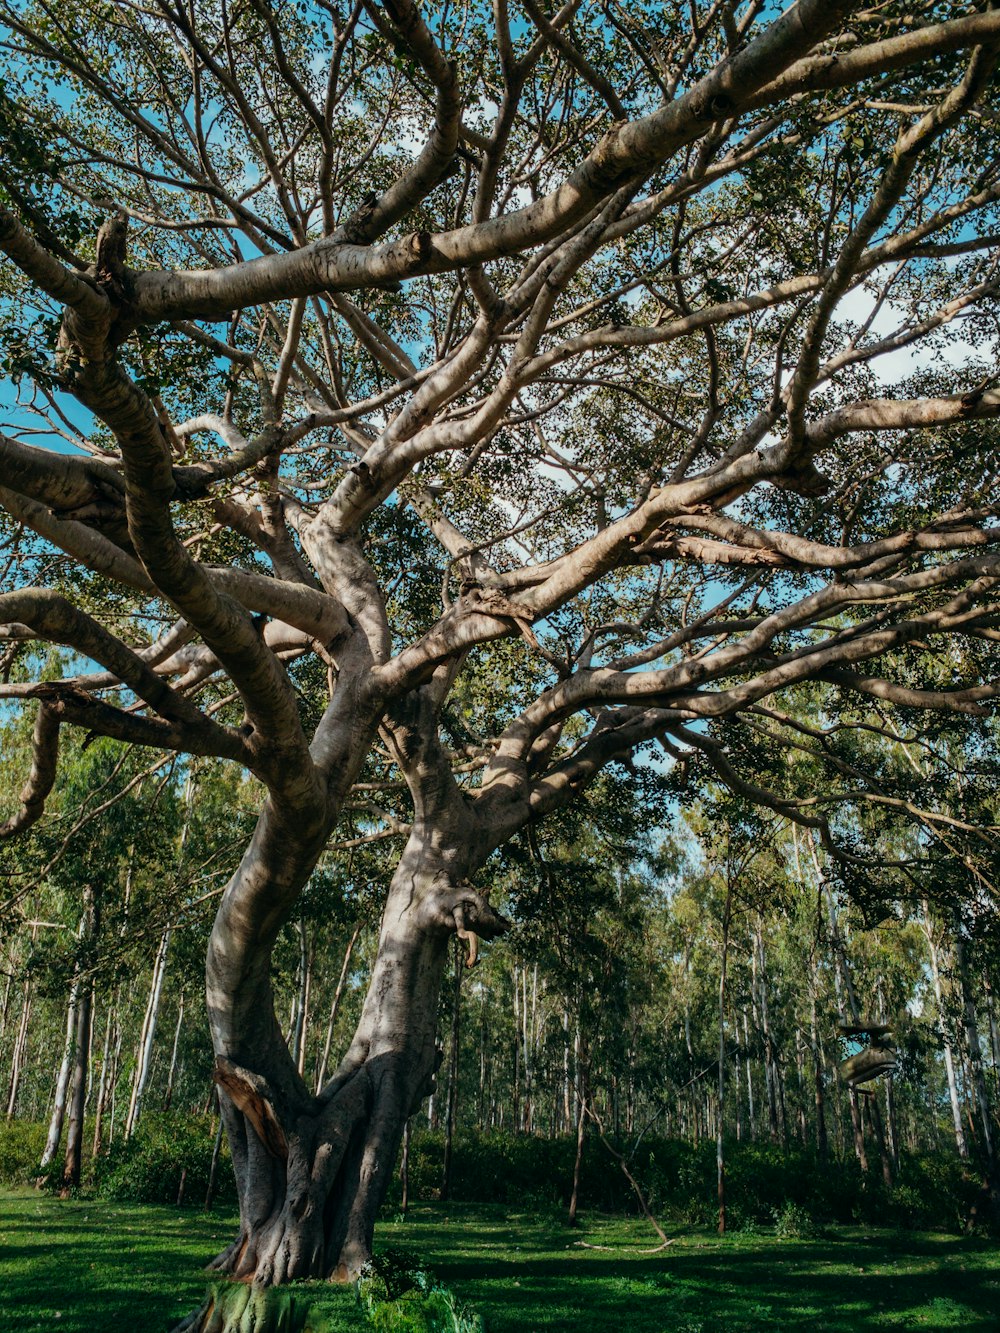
pixel 512 377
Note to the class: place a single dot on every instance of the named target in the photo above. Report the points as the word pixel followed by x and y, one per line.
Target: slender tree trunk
pixel 113 1076
pixel 78 1096
pixel 404 1167
pixel 978 1079
pixel 516 1103
pixel 483 1059
pixel 20 1049
pixel 62 1079
pixel 168 1096
pixel 449 1124
pixel 531 1045
pixel 8 987
pixel 335 1006
pixel 949 1059
pixel 213 1170
pixel 994 1030
pixel 102 1087
pixel 801 1086
pixel 770 1061
pixel 822 1146
pixel 845 987
pixel 90 925
pixel 301 1025
pixel 720 1158
pixel 148 1035
pixel 750 1104
pixel 892 1130
pixel 875 1115
pixel 581 1125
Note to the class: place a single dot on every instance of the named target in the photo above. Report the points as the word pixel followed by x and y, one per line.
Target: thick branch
pixel 44 760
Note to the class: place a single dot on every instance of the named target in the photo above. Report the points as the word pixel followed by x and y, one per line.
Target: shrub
pixel 21 1146
pixel 793 1222
pixel 397 1298
pixel 149 1167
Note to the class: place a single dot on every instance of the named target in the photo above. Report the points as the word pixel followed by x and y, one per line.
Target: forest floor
pixel 82 1264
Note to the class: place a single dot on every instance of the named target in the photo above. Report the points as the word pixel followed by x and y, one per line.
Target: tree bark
pixel 103 1083
pixel 168 1096
pixel 581 1123
pixel 20 1048
pixel 449 1124
pixel 720 1159
pixel 312 1170
pixel 404 1168
pixel 949 1058
pixel 78 1097
pixel 335 1005
pixel 62 1079
pixel 148 1036
pixel 971 1024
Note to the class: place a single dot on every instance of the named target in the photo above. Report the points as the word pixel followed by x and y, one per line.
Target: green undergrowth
pixel 766 1181
pixel 82 1264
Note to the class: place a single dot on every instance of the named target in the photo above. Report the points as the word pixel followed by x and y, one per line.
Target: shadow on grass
pixel 82 1265
pixel 537 1278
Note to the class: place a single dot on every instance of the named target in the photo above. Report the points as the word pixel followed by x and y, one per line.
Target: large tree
pixel 513 376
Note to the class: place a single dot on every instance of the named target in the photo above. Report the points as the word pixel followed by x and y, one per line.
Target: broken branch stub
pixel 461 908
pixel 251 1094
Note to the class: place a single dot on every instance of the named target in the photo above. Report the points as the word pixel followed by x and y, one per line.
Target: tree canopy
pixel 424 407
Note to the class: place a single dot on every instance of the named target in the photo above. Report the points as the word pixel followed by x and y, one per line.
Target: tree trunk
pixel 949 1058
pixel 148 1035
pixel 449 1124
pixel 311 1171
pixel 103 1084
pixel 994 1029
pixel 720 1159
pixel 892 1130
pixel 8 986
pixel 78 1097
pixel 168 1096
pixel 20 1049
pixel 335 1005
pixel 300 1028
pixel 213 1170
pixel 113 1076
pixel 516 1105
pixel 819 1097
pixel 581 1124
pixel 971 1024
pixel 483 1059
pixel 771 1074
pixel 404 1169
pixel 62 1080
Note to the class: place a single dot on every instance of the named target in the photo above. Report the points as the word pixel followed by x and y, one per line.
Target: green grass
pixel 85 1264
pixel 528 1276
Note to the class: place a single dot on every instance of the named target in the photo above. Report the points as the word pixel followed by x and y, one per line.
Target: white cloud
pixel 891 367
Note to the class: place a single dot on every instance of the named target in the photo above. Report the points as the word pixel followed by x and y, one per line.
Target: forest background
pixel 606 1013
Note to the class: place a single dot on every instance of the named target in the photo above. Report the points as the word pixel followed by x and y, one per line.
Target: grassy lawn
pixel 83 1264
